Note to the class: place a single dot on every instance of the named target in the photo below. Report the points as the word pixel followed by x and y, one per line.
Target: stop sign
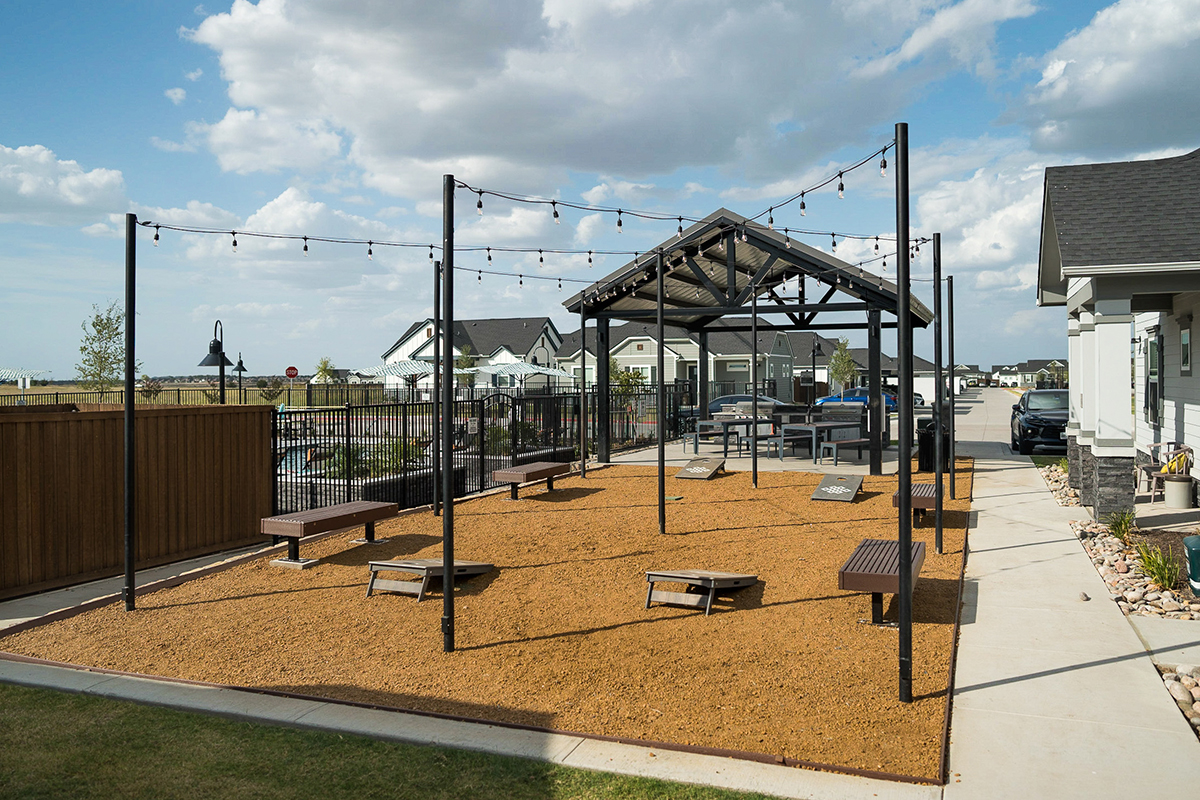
pixel 291 372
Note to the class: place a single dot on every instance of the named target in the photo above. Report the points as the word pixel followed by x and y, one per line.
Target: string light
pixel 156 236
pixel 479 203
pixel 489 252
pixel 679 230
pixel 370 254
pixel 876 244
pixel 618 220
pixel 554 205
pixel 802 212
pixel 883 164
pixel 771 218
pixel 787 240
pixel 430 254
pixel 834 238
pixel 234 234
pixel 306 247
pixel 841 188
pixel 541 261
pixel 479 279
pixel 745 238
pixel 520 279
pixel 560 284
pixel 589 259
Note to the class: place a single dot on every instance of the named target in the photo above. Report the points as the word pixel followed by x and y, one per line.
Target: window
pixel 1185 350
pixel 429 333
pixel 640 347
pixel 1153 401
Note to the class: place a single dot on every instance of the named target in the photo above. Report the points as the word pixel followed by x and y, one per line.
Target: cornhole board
pixel 838 487
pixel 427 568
pixel 706 584
pixel 701 469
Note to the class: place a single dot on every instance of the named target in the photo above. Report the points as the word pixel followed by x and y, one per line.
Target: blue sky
pixel 338 119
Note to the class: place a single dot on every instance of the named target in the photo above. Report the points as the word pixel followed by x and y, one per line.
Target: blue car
pixel 859 395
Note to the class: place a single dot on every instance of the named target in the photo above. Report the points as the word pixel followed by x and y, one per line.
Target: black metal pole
pixel 904 354
pixel 603 396
pixel 953 380
pixel 448 407
pixel 437 385
pixel 812 400
pixel 130 367
pixel 754 384
pixel 583 453
pixel 876 409
pixel 660 405
pixel 938 396
pixel 221 366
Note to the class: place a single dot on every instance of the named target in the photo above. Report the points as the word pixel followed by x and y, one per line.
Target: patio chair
pixel 1166 458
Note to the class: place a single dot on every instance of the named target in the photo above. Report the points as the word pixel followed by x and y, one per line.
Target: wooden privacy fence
pixel 203 482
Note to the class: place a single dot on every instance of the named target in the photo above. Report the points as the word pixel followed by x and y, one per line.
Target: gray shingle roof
pixel 486 336
pixel 1126 212
pixel 720 343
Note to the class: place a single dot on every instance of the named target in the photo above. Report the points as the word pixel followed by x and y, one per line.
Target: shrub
pixel 1121 523
pixel 1064 465
pixel 1162 568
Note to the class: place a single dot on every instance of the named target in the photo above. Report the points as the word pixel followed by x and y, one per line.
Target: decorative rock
pixel 1168 677
pixel 1181 694
pixel 1195 690
pixel 1084 596
pixel 1170 605
pixel 1151 597
pixel 1120 566
pixel 1187 680
pixel 1133 596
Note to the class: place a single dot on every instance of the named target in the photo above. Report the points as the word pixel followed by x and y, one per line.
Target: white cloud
pixel 168 146
pixel 524 93
pixel 1124 82
pixel 244 311
pixel 176 95
pixel 194 75
pixel 36 187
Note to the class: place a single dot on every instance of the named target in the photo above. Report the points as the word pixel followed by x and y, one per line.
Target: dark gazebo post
pixel 582 386
pixel 437 385
pixel 702 376
pixel 905 434
pixel 661 404
pixel 130 368
pixel 603 399
pixel 939 454
pixel 754 386
pixel 447 430
pixel 876 409
pixel 953 380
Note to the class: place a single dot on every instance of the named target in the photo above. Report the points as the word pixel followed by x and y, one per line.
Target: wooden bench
pixel 427 568
pixel 700 578
pixel 299 524
pixel 874 567
pixel 834 445
pixel 924 499
pixel 528 473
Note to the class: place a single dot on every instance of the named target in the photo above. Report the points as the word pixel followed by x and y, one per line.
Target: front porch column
pixel 1085 397
pixel 1075 388
pixel 1112 440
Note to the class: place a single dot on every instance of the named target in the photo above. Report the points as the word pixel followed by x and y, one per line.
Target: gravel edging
pixel 1183 683
pixel 1128 586
pixel 1056 481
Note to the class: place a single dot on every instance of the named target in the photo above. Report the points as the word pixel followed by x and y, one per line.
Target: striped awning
pixel 398 369
pixel 13 374
pixel 522 369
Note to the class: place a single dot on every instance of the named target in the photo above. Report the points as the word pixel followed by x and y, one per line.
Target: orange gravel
pixel 558 635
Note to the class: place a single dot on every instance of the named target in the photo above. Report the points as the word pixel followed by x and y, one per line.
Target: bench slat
pixel 679 598
pixel 874 566
pixel 329 518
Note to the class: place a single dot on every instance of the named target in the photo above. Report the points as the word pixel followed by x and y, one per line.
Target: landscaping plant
pixel 1162 568
pixel 1121 523
pixel 1064 465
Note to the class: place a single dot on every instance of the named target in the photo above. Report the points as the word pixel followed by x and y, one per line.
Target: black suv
pixel 1039 420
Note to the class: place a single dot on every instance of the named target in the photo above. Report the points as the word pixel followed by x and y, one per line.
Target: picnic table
pixel 722 427
pixel 816 431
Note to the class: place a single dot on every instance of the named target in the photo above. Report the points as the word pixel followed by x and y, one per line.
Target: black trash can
pixel 926 439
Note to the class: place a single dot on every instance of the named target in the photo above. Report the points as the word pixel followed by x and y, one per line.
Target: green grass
pixel 1045 461
pixel 55 745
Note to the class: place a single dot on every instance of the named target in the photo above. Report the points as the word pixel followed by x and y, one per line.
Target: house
pixel 1006 375
pixel 1120 252
pixel 634 346
pixel 1046 373
pixel 490 342
pixel 804 363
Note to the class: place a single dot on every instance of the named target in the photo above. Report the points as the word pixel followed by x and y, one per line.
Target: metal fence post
pixel 346 459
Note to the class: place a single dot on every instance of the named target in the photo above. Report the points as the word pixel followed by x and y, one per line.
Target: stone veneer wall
pixel 1113 485
pixel 1087 476
pixel 1074 467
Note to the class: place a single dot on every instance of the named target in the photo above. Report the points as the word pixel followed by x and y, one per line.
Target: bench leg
pixel 649 593
pixel 712 593
pixel 371 532
pixel 513 491
pixel 293 548
pixel 877 608
pixel 371 583
pixel 550 484
pixel 425 585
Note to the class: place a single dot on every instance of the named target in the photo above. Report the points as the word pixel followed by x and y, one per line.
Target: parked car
pixel 1039 421
pixel 918 399
pixel 859 395
pixel 733 399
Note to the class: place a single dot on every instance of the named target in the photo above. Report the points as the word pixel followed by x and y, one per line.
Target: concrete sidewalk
pixel 1054 697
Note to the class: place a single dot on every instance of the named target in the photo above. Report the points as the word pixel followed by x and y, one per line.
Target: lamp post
pixel 239 369
pixel 816 351
pixel 216 355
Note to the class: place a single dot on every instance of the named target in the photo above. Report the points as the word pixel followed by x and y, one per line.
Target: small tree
pixel 465 360
pixel 270 392
pixel 151 387
pixel 326 371
pixel 627 382
pixel 841 365
pixel 102 350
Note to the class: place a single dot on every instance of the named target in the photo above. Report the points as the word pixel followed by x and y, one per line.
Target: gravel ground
pixel 558 635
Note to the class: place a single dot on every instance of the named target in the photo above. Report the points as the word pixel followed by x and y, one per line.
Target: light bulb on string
pixel 306 247
pixel 841 188
pixel 560 284
pixel 370 253
pixel 679 230
pixel 541 261
pixel 430 254
pixel 721 243
pixel 618 220
pixel 876 244
pixel 156 236
pixel 833 237
pixel 234 234
pixel 802 211
pixel 554 206
pixel 489 252
pixel 771 218
pixel 787 240
pixel 883 164
pixel 520 279
pixel 589 259
pixel 479 278
pixel 744 237
pixel 479 203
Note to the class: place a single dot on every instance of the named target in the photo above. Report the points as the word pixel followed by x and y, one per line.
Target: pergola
pixel 729 266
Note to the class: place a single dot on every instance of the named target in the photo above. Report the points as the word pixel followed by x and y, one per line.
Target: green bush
pixel 1064 465
pixel 1162 568
pixel 1121 523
